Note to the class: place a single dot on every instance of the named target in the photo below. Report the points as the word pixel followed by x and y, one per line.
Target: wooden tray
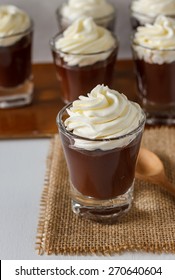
pixel 39 118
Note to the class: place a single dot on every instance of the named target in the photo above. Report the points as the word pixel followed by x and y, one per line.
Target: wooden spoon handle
pixel 160 180
pixel 168 186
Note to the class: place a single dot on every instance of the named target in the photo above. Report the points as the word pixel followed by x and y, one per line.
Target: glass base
pixel 159 119
pixel 18 96
pixel 104 211
pixel 158 114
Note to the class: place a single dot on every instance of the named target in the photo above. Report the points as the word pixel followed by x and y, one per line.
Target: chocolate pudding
pixel 84 56
pixel 156 82
pixel 146 11
pixel 102 174
pixel 15 62
pixel 101 135
pixel 154 54
pixel 16 82
pixel 102 12
pixel 76 81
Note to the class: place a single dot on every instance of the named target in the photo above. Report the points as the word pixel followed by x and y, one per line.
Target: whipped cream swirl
pixel 152 8
pixel 12 21
pixel 103 114
pixel 91 8
pixel 85 43
pixel 157 41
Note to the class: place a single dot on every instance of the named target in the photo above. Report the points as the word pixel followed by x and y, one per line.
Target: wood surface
pixel 39 118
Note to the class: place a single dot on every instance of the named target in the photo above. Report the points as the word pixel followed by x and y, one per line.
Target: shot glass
pixel 155 82
pixel 107 22
pixel 16 80
pixel 101 182
pixel 78 79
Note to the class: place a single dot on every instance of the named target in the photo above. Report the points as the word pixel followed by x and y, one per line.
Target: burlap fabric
pixel 149 226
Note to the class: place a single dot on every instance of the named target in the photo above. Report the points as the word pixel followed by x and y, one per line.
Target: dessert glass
pixel 146 11
pixel 16 81
pixel 101 182
pixel 156 84
pixel 78 80
pixel 107 21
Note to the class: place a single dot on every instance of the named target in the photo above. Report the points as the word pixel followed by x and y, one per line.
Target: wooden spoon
pixel 150 168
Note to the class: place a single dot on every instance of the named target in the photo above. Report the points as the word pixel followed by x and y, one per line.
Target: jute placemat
pixel 149 226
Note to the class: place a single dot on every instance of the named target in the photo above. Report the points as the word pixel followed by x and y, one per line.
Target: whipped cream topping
pixel 152 8
pixel 85 43
pixel 157 41
pixel 90 8
pixel 103 114
pixel 13 21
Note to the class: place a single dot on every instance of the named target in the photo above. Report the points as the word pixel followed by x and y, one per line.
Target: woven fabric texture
pixel 149 225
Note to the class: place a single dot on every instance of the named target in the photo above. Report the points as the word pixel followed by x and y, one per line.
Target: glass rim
pixel 53 48
pixel 26 31
pixel 62 127
pixel 113 13
pixel 149 48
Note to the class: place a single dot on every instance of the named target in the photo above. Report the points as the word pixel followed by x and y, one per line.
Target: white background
pixel 22 162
